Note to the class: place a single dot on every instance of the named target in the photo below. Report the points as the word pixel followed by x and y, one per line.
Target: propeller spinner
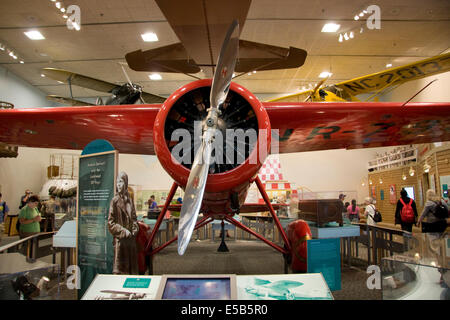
pixel 198 176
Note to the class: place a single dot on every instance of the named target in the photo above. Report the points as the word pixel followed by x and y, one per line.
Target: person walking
pixel 353 212
pixel 406 211
pixel 369 212
pixel 3 213
pixel 24 198
pixel 433 223
pixel 30 218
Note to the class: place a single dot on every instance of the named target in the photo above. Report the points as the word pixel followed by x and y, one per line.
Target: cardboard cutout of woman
pixel 122 223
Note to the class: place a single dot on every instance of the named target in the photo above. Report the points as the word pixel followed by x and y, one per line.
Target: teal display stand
pixel 324 256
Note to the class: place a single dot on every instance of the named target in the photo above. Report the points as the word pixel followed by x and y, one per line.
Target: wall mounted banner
pixel 392 194
pixel 96 188
pixel 373 193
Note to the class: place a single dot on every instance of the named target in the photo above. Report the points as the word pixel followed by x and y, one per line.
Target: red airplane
pixel 219 192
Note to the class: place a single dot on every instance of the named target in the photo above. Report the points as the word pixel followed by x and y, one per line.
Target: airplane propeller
pixel 198 176
pixel 317 87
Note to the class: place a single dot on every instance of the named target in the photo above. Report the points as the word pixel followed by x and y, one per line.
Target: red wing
pixel 128 127
pixel 351 125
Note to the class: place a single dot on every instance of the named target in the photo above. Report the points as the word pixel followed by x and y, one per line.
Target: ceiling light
pixel 361 30
pixel 254 71
pixel 155 76
pixel 364 11
pixel 361 14
pixel 426 167
pixel 388 65
pixel 356 17
pixel 340 37
pixel 14 57
pixel 325 74
pixel 411 171
pixel 149 37
pixel 331 27
pixel 249 73
pixel 65 16
pixel 34 35
pixel 58 5
pixel 63 10
pixel 21 61
pixel 42 75
pixel 351 35
pixel 346 36
pixel 381 181
pixel 370 181
pixel 404 176
pixel 11 53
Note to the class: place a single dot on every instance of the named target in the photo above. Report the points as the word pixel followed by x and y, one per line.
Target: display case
pixel 24 279
pixel 321 211
pixel 421 273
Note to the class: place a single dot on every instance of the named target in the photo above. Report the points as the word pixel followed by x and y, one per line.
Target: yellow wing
pixel 347 90
pixel 395 76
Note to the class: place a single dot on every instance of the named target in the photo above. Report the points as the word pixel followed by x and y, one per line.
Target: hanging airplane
pixel 377 83
pixel 208 106
pixel 128 93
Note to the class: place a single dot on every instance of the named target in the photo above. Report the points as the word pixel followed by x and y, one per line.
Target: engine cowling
pixel 241 110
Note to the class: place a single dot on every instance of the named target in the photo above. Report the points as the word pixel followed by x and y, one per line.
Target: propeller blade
pixel 225 66
pixel 126 74
pixel 317 87
pixel 193 195
pixel 195 187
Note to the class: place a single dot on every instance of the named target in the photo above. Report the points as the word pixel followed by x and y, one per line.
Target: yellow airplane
pixel 376 83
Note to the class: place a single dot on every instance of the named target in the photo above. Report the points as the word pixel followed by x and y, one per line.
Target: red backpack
pixel 407 213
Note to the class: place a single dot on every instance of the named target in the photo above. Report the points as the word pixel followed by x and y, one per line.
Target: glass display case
pixel 24 279
pixel 421 273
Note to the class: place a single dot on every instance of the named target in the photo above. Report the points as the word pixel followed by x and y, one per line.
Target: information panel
pixel 324 255
pixel 96 186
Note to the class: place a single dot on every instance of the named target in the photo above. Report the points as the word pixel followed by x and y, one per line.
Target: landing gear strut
pixel 223 247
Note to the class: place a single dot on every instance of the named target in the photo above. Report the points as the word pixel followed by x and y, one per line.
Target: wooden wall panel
pixel 439 161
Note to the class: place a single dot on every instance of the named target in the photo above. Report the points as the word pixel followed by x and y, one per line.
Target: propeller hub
pixel 210 122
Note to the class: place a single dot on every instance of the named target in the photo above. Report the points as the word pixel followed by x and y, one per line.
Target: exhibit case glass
pixel 22 278
pixel 421 273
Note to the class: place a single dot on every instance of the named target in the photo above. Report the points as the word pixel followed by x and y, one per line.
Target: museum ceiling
pixel 410 30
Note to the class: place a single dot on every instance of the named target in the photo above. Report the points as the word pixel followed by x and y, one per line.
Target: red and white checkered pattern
pixel 272 178
pixel 277 186
pixel 271 169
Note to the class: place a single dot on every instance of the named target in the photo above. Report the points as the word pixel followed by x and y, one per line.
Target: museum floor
pixel 244 258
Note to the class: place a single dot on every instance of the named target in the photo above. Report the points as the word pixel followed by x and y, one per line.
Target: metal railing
pixel 30 246
pixel 378 241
